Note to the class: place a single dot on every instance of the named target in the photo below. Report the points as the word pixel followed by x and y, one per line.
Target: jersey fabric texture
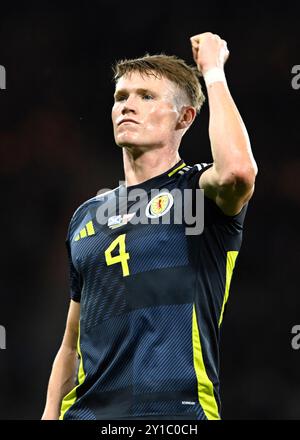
pixel 152 300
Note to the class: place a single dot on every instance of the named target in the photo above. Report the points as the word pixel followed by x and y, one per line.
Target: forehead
pixel 136 80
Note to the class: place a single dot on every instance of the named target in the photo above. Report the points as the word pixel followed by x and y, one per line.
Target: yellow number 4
pixel 122 257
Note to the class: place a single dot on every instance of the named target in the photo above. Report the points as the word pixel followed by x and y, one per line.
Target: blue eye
pixel 147 96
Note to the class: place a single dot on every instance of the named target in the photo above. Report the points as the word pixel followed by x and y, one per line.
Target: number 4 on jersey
pixel 121 258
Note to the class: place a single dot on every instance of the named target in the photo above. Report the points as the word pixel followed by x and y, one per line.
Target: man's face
pixel 149 103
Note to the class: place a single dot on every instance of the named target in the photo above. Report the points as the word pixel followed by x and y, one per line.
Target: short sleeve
pixel 213 215
pixel 232 224
pixel 75 280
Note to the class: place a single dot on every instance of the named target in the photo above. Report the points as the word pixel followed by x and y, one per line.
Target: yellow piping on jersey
pixel 86 231
pixel 206 395
pixel 71 397
pixel 230 263
pixel 176 169
pixel 90 228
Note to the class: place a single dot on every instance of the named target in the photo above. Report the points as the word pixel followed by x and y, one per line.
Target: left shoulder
pixel 191 174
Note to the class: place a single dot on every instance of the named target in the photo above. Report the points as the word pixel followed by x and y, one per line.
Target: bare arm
pixel 230 181
pixel 62 378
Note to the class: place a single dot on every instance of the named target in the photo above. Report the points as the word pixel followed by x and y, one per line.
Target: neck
pixel 147 164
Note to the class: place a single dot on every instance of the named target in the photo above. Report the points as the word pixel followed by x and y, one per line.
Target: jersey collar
pixel 157 181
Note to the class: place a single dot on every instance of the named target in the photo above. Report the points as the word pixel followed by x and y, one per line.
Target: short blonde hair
pixel 169 66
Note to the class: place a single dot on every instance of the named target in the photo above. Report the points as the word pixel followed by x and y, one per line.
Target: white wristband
pixel 213 75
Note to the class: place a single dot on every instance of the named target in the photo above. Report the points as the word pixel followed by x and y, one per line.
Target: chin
pixel 127 145
pixel 131 142
pixel 126 141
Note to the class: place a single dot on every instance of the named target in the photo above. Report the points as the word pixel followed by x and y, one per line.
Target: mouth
pixel 128 121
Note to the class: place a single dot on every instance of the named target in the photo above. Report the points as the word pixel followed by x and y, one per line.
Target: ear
pixel 186 117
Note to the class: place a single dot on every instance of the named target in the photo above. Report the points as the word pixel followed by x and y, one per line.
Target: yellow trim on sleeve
pixel 83 233
pixel 90 228
pixel 206 395
pixel 71 397
pixel 230 263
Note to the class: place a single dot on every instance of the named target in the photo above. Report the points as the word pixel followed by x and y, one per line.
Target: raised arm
pixel 62 378
pixel 230 181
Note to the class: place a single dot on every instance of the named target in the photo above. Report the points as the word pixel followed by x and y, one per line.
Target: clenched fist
pixel 209 51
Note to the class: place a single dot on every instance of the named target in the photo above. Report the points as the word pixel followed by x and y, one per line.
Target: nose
pixel 129 106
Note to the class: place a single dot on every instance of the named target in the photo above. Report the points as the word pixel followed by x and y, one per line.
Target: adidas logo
pixel 86 231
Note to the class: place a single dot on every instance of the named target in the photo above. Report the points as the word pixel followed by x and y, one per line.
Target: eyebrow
pixel 139 91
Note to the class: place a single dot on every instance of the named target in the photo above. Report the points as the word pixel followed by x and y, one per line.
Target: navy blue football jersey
pixel 152 297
